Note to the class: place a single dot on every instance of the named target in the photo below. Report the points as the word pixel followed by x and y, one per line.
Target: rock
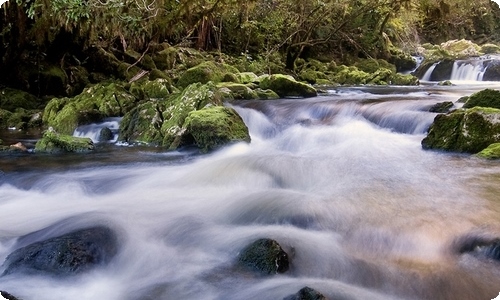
pixel 151 89
pixel 92 105
pixel 490 49
pixel 306 293
pixel 4 117
pixel 468 131
pixel 484 98
pixel 68 254
pixel 143 124
pixel 461 48
pixel 445 83
pixel 18 147
pixel 52 142
pixel 105 134
pixel 492 72
pixel 215 126
pixel 402 79
pixel 239 91
pixel 441 107
pixel 247 77
pixel 172 57
pixel 402 61
pixel 266 94
pixel 205 72
pixel 8 296
pixel 491 152
pixel 287 86
pixel 194 97
pixel 12 99
pixel 264 256
pixel 106 62
pixel 443 70
pixel 480 245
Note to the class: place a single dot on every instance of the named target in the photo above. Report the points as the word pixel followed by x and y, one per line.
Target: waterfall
pixel 468 70
pixel 428 73
pixel 93 131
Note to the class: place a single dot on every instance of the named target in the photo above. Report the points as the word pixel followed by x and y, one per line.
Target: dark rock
pixel 68 254
pixel 105 134
pixel 264 256
pixel 479 246
pixel 8 296
pixel 442 107
pixel 306 293
pixel 12 99
pixel 484 98
pixel 492 73
pixel 443 70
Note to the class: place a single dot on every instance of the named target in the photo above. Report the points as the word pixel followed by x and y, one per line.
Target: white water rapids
pixel 340 181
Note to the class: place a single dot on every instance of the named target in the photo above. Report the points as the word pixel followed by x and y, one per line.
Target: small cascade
pixel 468 70
pixel 106 131
pixel 428 73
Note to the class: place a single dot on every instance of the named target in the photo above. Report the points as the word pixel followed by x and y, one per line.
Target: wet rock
pixel 464 130
pixel 492 73
pixel 287 86
pixel 105 134
pixel 479 246
pixel 8 296
pixel 143 124
pixel 443 70
pixel 53 142
pixel 264 256
pixel 68 254
pixel 306 293
pixel 491 152
pixel 247 77
pixel 239 91
pixel 445 83
pixel 441 107
pixel 484 98
pixel 205 72
pixel 152 89
pixel 215 126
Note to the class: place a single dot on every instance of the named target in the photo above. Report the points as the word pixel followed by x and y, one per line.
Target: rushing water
pixel 340 181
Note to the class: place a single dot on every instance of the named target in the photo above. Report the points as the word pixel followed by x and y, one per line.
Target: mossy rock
pixel 172 57
pixel 368 65
pixel 266 94
pixel 215 126
pixel 382 76
pixel 461 48
pixel 143 124
pixel 264 256
pixel 53 142
pixel 239 91
pixel 287 86
pixel 306 293
pixel 133 57
pixel 106 62
pixel 492 73
pixel 247 77
pixel 4 117
pixel 464 130
pixel 350 76
pixel 402 61
pixel 205 72
pixel 491 152
pixel 403 79
pixel 23 119
pixel 10 99
pixel 445 83
pixel 490 49
pixel 484 98
pixel 194 97
pixel 158 74
pixel 441 107
pixel 151 89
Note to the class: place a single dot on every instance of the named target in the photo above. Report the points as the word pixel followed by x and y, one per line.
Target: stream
pixel 340 181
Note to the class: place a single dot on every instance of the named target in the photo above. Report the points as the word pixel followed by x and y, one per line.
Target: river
pixel 340 181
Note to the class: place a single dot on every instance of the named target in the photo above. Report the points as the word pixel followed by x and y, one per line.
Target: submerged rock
pixel 53 142
pixel 469 131
pixel 287 86
pixel 264 256
pixel 68 254
pixel 8 296
pixel 215 126
pixel 484 98
pixel 306 293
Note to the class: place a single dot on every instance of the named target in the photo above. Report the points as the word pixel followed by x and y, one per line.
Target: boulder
pixel 215 126
pixel 106 62
pixel 490 49
pixel 105 134
pixel 266 94
pixel 441 107
pixel 239 91
pixel 68 254
pixel 53 142
pixel 491 152
pixel 194 97
pixel 461 48
pixel 492 72
pixel 151 89
pixel 264 256
pixel 402 79
pixel 8 296
pixel 205 72
pixel 11 99
pixel 287 86
pixel 306 293
pixel 468 131
pixel 92 105
pixel 143 123
pixel 484 98
pixel 247 77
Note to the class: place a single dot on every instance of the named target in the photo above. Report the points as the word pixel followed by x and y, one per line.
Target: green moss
pixel 287 86
pixel 215 126
pixel 205 72
pixel 247 77
pixel 445 83
pixel 484 98
pixel 143 124
pixel 491 152
pixel 490 49
pixel 367 65
pixel 53 142
pixel 4 117
pixel 400 79
pixel 461 48
pixel 10 99
pixel 157 74
pixel 266 94
pixel 239 91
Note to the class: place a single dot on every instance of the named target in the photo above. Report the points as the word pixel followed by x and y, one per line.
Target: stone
pixel 287 86
pixel 239 91
pixel 441 107
pixel 306 293
pixel 484 98
pixel 12 99
pixel 8 296
pixel 264 256
pixel 53 142
pixel 205 72
pixel 215 126
pixel 68 254
pixel 143 124
pixel 491 152
pixel 105 134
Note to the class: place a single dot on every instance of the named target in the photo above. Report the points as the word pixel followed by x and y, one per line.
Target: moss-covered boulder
pixel 266 94
pixel 92 105
pixel 461 48
pixel 205 72
pixel 484 98
pixel 196 96
pixel 22 119
pixel 350 76
pixel 464 130
pixel 143 124
pixel 11 99
pixel 491 152
pixel 441 107
pixel 264 256
pixel 151 89
pixel 215 126
pixel 402 61
pixel 287 86
pixel 239 91
pixel 306 293
pixel 403 79
pixel 107 63
pixel 4 117
pixel 170 57
pixel 373 65
pixel 247 77
pixel 53 142
pixel 490 49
